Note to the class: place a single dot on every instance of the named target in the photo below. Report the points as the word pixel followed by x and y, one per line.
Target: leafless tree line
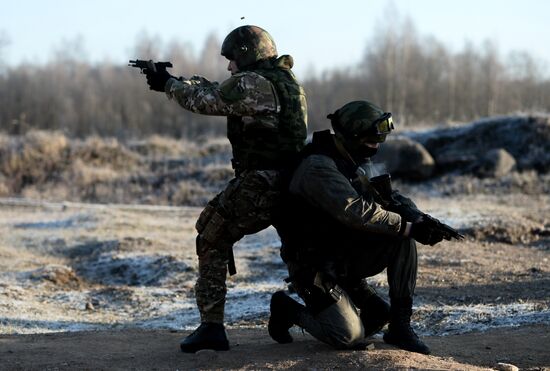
pixel 423 82
pixel 415 77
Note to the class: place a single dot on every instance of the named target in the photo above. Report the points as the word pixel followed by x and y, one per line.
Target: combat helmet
pixel 248 44
pixel 361 121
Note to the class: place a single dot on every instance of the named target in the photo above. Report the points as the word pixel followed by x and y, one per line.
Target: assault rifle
pixel 382 185
pixel 149 65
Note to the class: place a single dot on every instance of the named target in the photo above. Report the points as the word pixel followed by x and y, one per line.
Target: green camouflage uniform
pixel 267 115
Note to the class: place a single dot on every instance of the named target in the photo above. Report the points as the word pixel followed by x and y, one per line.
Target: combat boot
pixel 375 311
pixel 400 332
pixel 285 313
pixel 208 335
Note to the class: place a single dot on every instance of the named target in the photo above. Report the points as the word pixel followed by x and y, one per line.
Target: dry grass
pixel 165 171
pixel 157 146
pixel 157 170
pixel 85 174
pixel 98 152
pixel 189 192
pixel 35 158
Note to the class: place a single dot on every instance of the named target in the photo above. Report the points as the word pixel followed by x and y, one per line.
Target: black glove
pixel 424 233
pixel 157 80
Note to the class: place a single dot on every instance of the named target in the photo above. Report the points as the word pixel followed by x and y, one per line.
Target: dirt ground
pixel 86 286
pixel 525 347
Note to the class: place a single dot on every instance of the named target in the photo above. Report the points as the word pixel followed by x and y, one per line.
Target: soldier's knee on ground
pixel 347 337
pixel 341 325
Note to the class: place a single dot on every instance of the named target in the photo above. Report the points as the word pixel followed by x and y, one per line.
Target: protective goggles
pixel 378 129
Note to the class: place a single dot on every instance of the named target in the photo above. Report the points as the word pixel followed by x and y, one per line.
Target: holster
pixel 318 291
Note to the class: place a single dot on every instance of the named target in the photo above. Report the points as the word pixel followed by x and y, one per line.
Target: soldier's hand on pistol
pixel 157 80
pixel 423 232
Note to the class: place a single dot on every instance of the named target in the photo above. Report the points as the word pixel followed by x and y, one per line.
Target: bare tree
pixel 213 63
pixel 4 42
pixel 414 76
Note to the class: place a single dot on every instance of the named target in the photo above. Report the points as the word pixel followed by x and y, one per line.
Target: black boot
pixel 375 311
pixel 207 336
pixel 285 312
pixel 400 332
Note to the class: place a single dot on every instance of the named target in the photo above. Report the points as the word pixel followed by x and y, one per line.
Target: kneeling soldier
pixel 338 230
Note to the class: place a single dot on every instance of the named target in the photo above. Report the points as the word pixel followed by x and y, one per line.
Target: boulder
pixel 405 158
pixel 495 163
pixel 525 138
pixel 501 366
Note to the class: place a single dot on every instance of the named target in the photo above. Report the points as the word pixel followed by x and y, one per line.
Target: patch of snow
pixel 79 220
pixel 444 320
pixel 132 268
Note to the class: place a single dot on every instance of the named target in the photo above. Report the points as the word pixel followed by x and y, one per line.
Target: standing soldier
pixel 267 126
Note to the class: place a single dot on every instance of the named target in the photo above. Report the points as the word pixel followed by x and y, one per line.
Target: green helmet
pixel 248 44
pixel 361 120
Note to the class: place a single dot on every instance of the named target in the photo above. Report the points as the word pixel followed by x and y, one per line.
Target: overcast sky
pixel 320 34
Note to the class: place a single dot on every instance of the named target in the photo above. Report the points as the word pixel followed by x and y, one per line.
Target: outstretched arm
pixel 243 94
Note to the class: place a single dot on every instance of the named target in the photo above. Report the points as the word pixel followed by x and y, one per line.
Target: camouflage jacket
pixel 266 110
pixel 319 181
pixel 243 94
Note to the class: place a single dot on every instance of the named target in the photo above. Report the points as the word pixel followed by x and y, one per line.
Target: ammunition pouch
pixel 210 224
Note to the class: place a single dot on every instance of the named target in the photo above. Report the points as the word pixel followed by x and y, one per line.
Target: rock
pixel 405 158
pixel 506 367
pixel 495 163
pixel 526 138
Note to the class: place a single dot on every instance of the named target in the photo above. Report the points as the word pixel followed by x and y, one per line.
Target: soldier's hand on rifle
pixel 423 232
pixel 157 80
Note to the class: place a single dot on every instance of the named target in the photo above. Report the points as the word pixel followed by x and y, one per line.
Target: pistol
pixel 149 65
pixel 382 184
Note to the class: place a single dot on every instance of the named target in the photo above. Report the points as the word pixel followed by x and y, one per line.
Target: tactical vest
pixel 271 146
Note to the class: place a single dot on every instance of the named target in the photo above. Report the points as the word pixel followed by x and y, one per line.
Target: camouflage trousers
pixel 246 206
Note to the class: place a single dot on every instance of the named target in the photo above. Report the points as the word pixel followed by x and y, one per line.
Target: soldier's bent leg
pixel 244 207
pixel 396 254
pixel 210 293
pixel 400 258
pixel 338 325
pixel 375 311
pixel 402 269
pixel 402 281
pixel 213 244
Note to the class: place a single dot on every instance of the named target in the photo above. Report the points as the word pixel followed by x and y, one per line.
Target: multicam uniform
pixel 267 115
